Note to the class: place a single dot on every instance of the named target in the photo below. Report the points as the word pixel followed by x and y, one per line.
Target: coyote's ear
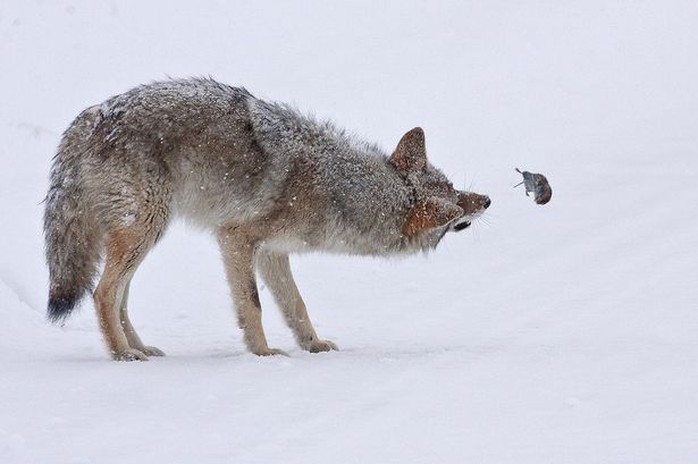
pixel 411 153
pixel 428 214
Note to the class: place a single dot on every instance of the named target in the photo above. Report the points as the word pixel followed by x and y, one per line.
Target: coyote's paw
pixel 129 354
pixel 270 352
pixel 152 351
pixel 319 346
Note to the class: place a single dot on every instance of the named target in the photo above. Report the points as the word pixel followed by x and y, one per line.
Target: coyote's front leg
pixel 276 272
pixel 238 257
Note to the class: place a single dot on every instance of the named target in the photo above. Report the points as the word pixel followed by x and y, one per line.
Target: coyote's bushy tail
pixel 72 247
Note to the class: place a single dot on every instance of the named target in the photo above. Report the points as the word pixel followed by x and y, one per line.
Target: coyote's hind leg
pixel 134 341
pixel 126 248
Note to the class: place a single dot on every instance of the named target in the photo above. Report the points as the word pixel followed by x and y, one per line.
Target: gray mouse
pixel 537 184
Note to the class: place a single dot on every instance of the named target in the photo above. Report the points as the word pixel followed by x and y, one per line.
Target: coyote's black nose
pixel 488 202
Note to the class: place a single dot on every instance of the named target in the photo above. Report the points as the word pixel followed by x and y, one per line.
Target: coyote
pixel 265 179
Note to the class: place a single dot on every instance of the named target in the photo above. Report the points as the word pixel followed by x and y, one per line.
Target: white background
pixel 558 334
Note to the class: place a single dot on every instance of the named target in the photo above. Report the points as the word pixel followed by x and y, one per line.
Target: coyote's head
pixel 438 207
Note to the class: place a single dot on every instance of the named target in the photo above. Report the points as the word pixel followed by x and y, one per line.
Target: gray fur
pixel 266 179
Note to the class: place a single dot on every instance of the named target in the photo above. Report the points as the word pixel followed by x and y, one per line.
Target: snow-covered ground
pixel 559 334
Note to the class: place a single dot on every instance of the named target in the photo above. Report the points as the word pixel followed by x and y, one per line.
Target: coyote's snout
pixel 265 179
pixel 473 205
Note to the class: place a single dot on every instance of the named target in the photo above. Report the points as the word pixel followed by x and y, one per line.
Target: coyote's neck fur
pixel 360 202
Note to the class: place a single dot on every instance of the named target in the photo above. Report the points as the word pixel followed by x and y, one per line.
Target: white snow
pixel 565 333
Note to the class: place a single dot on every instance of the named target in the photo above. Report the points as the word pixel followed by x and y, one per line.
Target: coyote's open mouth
pixel 461 226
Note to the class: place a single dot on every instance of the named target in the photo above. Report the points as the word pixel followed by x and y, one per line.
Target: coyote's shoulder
pixel 265 178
